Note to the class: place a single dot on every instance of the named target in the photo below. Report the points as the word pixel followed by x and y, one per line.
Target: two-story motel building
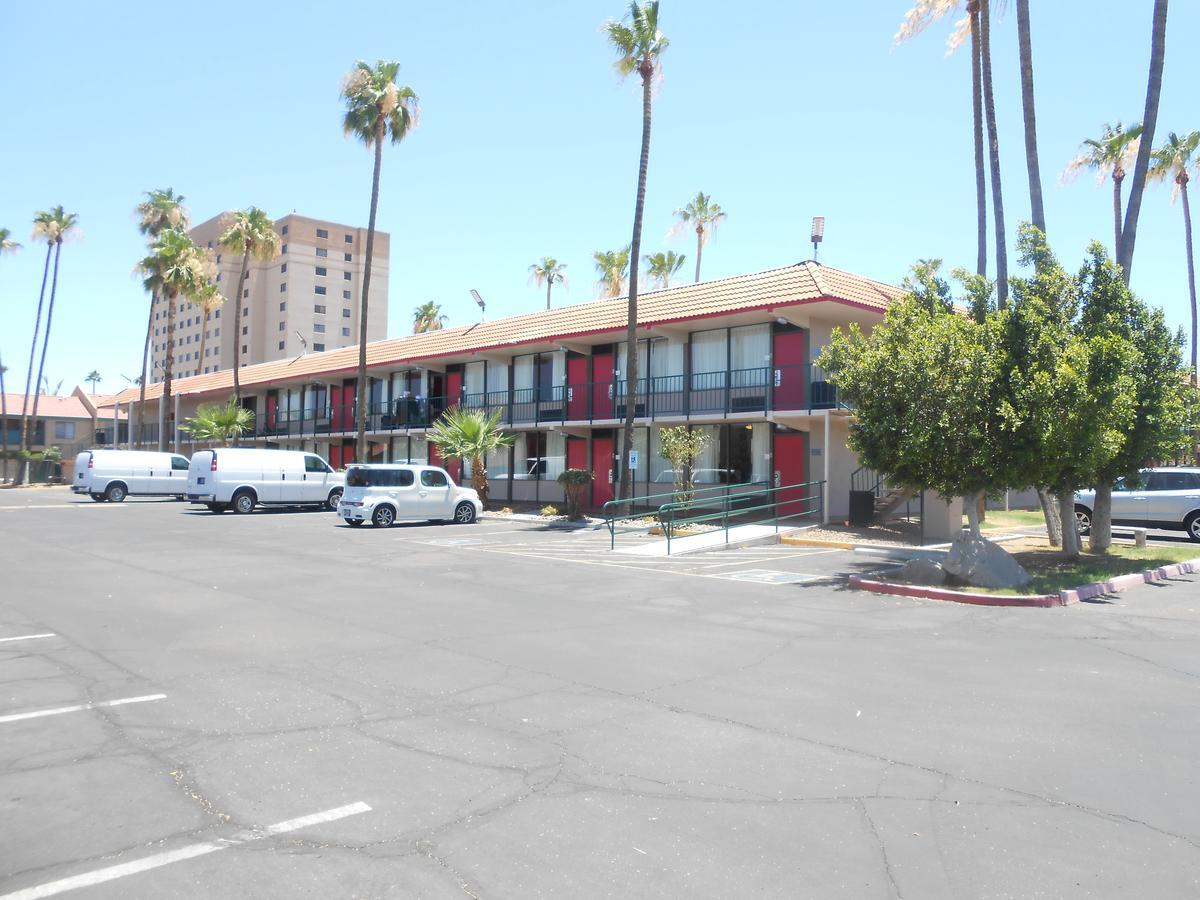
pixel 731 356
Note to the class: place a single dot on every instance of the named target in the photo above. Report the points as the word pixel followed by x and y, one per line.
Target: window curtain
pixel 660 469
pixel 418 449
pixel 710 358
pixel 760 452
pixel 523 372
pixel 750 351
pixel 556 455
pixel 666 358
pixel 473 378
pixel 497 463
pixel 623 356
pixel 706 469
pixel 497 377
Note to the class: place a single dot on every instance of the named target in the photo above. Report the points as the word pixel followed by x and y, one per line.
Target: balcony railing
pixel 702 394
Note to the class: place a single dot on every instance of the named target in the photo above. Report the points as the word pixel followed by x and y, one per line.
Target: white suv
pixel 1167 499
pixel 386 494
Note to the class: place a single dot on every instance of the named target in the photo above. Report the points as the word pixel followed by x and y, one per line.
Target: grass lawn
pixel 1051 572
pixel 1013 518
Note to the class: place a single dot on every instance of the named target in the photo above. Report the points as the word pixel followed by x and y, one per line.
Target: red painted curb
pixel 1062 598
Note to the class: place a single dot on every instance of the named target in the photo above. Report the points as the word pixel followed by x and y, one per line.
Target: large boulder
pixel 922 570
pixel 981 563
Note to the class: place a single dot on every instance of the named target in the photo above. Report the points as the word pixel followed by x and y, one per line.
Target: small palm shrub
pixel 575 483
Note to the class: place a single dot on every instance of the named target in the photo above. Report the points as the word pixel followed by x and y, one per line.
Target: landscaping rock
pixel 981 563
pixel 920 571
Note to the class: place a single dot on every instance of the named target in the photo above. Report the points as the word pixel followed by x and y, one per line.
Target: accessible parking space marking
pixel 111 873
pixel 766 576
pixel 58 711
pixel 27 637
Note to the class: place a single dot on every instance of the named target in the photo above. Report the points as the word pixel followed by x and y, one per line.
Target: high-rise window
pixel 283 230
pixel 345 332
pixel 345 313
pixel 246 293
pixel 349 239
pixel 217 314
pixel 322 232
pixel 317 348
pixel 348 257
pixel 346 276
pixel 318 308
pixel 283 326
pixel 319 328
pixel 245 329
pixel 282 344
pixel 321 270
pixel 321 251
pixel 283 306
pixel 283 268
pixel 283 249
pixel 345 295
pixel 320 289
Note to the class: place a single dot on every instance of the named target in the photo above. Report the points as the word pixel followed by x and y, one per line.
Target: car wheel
pixel 354 523
pixel 383 517
pixel 116 493
pixel 464 514
pixel 1083 519
pixel 244 502
pixel 179 497
pixel 99 498
pixel 1192 527
pixel 217 507
pixel 332 501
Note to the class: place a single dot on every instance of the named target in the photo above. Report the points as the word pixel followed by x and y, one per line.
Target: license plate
pixel 200 480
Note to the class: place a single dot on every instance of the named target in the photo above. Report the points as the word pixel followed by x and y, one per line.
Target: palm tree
pixel 176 267
pixel 220 423
pixel 1158 46
pixel 613 268
pixel 639 46
pixel 208 299
pixel 93 378
pixel 250 233
pixel 428 317
pixel 160 210
pixel 1108 154
pixel 53 227
pixel 704 216
pixel 1172 160
pixel 470 434
pixel 376 107
pixel 1028 109
pixel 43 224
pixel 7 245
pixel 661 266
pixel 547 272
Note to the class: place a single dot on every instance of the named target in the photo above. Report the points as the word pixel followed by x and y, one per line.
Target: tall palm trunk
pixel 360 392
pixel 1029 110
pixel 24 445
pixel 479 479
pixel 549 284
pixel 141 414
pixel 237 326
pixel 1118 179
pixel 635 251
pixel 699 249
pixel 46 336
pixel 165 412
pixel 3 427
pixel 203 340
pixel 977 129
pixel 1191 263
pixel 989 109
pixel 1158 47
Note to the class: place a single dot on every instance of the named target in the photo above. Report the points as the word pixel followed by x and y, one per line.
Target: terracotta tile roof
pixel 805 282
pixel 50 407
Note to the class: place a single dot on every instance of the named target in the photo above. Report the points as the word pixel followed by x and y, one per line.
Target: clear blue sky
pixel 528 142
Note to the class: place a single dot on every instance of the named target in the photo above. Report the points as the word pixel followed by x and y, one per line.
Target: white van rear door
pixel 316 476
pixel 292 486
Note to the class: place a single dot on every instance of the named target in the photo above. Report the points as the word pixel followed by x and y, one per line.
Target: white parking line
pixel 37 714
pixel 27 637
pixel 99 876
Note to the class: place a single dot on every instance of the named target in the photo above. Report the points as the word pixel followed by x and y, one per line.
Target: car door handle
pixel 423 493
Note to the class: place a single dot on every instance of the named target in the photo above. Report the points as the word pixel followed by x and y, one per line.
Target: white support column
pixel 162 421
pixel 825 457
pixel 116 439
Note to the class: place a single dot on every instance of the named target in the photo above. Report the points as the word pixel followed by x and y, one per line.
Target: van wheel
pixel 216 507
pixel 464 514
pixel 116 492
pixel 99 498
pixel 331 503
pixel 1083 520
pixel 179 497
pixel 383 517
pixel 244 502
pixel 1192 526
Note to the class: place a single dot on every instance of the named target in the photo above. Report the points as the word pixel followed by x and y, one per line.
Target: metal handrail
pixel 669 522
pixel 609 508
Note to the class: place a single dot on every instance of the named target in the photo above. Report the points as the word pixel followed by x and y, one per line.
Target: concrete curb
pixel 1062 598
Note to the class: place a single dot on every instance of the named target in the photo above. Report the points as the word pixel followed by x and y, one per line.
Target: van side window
pixel 178 462
pixel 315 464
pixel 431 478
pixel 404 477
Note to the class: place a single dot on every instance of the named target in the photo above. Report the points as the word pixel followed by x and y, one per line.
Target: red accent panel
pixel 348 452
pixel 791 466
pixel 602 386
pixel 335 456
pixel 454 467
pixel 576 453
pixel 790 375
pixel 272 406
pixel 577 399
pixel 602 466
pixel 454 383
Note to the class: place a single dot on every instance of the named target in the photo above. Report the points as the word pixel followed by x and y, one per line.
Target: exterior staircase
pixel 885 498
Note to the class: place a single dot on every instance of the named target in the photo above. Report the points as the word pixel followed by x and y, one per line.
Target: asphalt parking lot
pixel 275 706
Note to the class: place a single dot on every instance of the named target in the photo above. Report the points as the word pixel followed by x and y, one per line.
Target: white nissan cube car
pixel 386 494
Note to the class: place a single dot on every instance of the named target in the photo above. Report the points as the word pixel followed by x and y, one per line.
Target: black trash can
pixel 862 508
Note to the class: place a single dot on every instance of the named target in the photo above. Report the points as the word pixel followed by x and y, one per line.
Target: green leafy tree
pixel 661 267
pixel 548 271
pixel 639 45
pixel 252 234
pixel 681 447
pixel 93 378
pixel 1172 161
pixel 470 434
pixel 612 269
pixel 376 109
pixel 162 209
pixel 428 317
pixel 703 216
pixel 220 423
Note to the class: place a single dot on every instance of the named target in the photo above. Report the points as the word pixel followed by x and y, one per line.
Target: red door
pixel 602 466
pixel 602 386
pixel 454 467
pixel 577 388
pixel 576 453
pixel 790 372
pixel 272 405
pixel 454 383
pixel 791 466
pixel 348 411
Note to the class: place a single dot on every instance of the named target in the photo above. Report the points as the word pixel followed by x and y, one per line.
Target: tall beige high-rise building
pixel 306 300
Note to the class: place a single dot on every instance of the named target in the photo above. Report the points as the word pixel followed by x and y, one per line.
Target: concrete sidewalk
pixel 738 535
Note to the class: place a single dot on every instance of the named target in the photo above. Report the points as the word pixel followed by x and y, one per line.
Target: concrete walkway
pixel 739 535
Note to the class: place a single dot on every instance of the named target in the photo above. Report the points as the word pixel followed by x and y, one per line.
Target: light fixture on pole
pixel 482 305
pixel 303 343
pixel 818 233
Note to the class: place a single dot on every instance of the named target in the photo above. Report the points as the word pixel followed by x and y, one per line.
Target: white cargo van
pixel 386 494
pixel 240 478
pixel 117 474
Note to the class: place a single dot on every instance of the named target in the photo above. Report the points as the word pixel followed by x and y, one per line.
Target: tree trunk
pixel 1158 46
pixel 141 413
pixel 1070 531
pixel 1118 179
pixel 1100 538
pixel 165 413
pixel 479 479
pixel 549 284
pixel 977 128
pixel 3 428
pixel 989 108
pixel 1028 107
pixel 971 504
pixel 1050 512
pixel 1191 263
pixel 360 399
pixel 699 249
pixel 22 463
pixel 237 326
pixel 46 335
pixel 203 341
pixel 635 249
